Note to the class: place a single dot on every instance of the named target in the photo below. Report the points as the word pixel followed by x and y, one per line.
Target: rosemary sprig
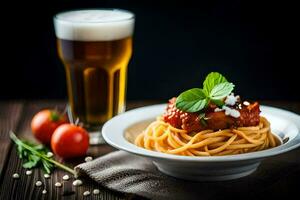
pixel 35 155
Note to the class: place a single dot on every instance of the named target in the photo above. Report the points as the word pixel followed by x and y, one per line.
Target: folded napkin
pixel 127 173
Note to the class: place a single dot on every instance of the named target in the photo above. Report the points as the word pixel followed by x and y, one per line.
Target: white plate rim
pixel 131 148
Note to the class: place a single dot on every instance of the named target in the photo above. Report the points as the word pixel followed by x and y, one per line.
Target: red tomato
pixel 69 141
pixel 44 123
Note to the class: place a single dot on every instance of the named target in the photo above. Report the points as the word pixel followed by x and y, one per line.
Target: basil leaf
pixel 202 115
pixel 221 90
pixel 203 122
pixel 218 102
pixel 191 100
pixel 211 80
pixel 203 119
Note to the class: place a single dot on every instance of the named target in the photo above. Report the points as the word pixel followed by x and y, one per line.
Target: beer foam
pixel 94 25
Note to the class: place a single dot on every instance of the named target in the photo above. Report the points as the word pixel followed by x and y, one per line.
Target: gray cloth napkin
pixel 127 173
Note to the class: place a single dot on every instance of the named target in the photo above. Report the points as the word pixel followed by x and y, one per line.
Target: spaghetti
pixel 163 137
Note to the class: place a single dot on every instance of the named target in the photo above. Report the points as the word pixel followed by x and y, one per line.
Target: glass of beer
pixel 95 47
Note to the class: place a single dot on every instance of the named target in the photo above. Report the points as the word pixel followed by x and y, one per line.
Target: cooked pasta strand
pixel 162 137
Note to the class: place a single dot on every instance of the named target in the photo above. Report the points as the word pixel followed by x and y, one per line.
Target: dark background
pixel 176 43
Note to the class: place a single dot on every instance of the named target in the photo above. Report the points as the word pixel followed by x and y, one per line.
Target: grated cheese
pixel 229 111
pixel 231 99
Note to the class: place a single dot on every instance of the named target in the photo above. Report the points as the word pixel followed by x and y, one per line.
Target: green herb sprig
pixel 215 89
pixel 35 155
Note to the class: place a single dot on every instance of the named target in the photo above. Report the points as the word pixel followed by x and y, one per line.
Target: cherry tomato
pixel 44 123
pixel 69 141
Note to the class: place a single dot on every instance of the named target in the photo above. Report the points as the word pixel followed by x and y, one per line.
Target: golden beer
pixel 95 47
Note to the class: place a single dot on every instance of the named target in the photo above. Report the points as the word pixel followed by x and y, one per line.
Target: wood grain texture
pixel 10 113
pixel 24 187
pixel 278 176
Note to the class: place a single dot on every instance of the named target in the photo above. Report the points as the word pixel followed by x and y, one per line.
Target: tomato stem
pixel 77 121
pixel 54 115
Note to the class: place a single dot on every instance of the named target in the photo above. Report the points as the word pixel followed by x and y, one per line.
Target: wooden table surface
pixel 278 176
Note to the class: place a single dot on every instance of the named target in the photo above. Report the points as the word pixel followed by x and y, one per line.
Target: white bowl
pixel 121 130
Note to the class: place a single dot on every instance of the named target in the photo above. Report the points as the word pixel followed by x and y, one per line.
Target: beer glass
pixel 95 47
